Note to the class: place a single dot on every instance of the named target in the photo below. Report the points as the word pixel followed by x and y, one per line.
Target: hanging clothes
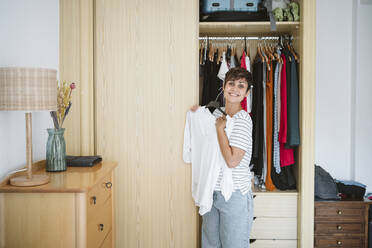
pixel 273 104
pixel 276 145
pixel 269 127
pixel 224 68
pixel 257 118
pixel 293 108
pixel 244 65
pixel 212 85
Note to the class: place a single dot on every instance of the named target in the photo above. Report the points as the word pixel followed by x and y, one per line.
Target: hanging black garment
pixel 285 179
pixel 257 118
pixel 293 137
pixel 288 57
pixel 211 83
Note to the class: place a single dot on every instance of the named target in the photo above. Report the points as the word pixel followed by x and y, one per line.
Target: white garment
pixel 250 94
pixel 248 63
pixel 224 68
pixel 233 63
pixel 201 148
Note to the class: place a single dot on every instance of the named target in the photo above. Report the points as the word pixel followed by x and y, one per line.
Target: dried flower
pixel 64 91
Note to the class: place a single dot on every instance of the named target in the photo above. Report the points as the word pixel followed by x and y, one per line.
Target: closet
pixel 136 66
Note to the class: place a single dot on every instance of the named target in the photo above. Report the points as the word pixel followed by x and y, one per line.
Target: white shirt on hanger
pixel 201 149
pixel 224 68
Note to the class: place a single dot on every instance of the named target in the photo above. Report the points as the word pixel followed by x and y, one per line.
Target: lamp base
pixel 23 181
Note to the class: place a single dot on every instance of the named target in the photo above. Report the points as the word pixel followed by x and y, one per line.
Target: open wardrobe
pixel 141 65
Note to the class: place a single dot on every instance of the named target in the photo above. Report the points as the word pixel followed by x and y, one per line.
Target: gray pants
pixel 229 223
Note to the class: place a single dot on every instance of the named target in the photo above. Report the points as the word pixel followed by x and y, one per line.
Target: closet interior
pixel 278 209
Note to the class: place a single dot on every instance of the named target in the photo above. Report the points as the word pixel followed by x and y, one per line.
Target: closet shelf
pixel 248 28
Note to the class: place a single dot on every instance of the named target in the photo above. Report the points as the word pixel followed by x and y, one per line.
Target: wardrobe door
pixel 145 61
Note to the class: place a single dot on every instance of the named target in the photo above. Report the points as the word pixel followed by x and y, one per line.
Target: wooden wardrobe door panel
pixel 145 80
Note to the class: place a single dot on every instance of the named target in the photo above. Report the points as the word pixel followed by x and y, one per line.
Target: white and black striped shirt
pixel 241 137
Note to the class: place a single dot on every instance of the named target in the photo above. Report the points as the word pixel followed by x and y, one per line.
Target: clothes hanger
pixel 245 45
pixel 215 104
pixel 291 49
pixel 259 52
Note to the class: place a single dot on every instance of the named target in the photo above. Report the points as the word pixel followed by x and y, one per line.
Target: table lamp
pixel 28 90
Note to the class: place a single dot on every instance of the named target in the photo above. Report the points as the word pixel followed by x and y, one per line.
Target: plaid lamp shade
pixel 28 89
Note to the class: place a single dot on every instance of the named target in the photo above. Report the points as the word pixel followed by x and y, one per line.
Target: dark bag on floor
pixel 351 192
pixel 325 185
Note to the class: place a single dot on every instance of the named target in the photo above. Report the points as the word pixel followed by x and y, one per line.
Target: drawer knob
pixel 94 200
pixel 254 218
pixel 254 196
pixel 108 185
pixel 339 227
pixel 339 212
pixel 101 227
pixel 339 243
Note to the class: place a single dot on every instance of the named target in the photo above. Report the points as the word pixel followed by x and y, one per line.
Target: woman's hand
pixel 221 123
pixel 194 108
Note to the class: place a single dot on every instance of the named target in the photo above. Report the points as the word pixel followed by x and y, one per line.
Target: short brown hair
pixel 238 73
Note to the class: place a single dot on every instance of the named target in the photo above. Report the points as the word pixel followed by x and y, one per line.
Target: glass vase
pixel 56 150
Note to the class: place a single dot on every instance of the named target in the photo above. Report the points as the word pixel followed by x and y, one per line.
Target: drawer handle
pixel 254 218
pixel 108 185
pixel 339 212
pixel 339 243
pixel 339 227
pixel 251 241
pixel 101 227
pixel 94 200
pixel 254 196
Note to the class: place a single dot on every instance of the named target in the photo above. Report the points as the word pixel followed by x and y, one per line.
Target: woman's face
pixel 235 90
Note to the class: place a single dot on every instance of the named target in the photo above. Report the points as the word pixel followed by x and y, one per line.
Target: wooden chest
pixel 341 224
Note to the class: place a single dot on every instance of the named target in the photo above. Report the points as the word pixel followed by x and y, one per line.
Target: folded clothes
pixel 369 195
pixel 352 182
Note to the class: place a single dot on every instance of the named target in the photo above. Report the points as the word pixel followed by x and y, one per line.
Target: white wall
pixel 343 131
pixel 29 38
pixel 363 93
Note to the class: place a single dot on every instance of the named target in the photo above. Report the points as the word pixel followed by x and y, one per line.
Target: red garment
pixel 243 103
pixel 283 104
pixel 286 156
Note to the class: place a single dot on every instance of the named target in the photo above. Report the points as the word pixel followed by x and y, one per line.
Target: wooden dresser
pixel 341 224
pixel 275 219
pixel 75 209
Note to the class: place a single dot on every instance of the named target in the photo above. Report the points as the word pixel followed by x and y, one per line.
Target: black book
pixel 83 161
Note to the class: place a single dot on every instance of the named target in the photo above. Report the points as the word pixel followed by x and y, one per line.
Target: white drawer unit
pixel 273 244
pixel 275 219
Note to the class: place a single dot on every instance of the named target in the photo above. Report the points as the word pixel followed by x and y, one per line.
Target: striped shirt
pixel 241 137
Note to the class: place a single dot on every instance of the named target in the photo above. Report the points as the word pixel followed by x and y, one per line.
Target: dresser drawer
pixel 98 195
pixel 321 242
pixel 265 205
pixel 273 243
pixel 274 228
pixel 339 212
pixel 346 228
pixel 99 224
pixel 107 243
